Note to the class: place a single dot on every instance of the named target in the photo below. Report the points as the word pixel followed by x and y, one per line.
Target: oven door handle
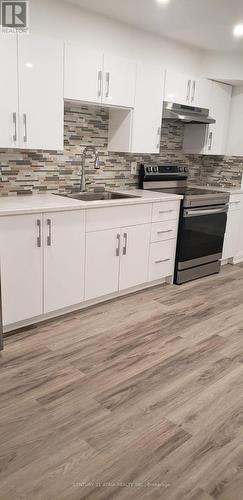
pixel 208 211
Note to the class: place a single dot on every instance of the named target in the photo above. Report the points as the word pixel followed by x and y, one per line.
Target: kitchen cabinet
pixel 102 263
pixel 91 76
pixel 134 256
pixel 239 246
pixel 234 142
pixel 187 90
pixel 211 139
pixel 42 263
pixel 40 63
pixel 8 91
pixel 83 70
pixel 232 228
pixel 113 261
pixel 31 93
pixel 21 267
pixel 64 247
pixel 139 131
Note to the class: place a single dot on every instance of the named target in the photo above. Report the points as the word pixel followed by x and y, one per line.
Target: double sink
pixel 98 196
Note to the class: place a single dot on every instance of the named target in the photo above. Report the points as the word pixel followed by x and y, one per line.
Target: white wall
pixel 67 21
pixel 227 66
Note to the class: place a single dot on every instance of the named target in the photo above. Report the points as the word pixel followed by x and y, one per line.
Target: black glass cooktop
pixel 189 191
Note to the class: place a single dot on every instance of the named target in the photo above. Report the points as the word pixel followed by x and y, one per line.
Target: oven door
pixel 202 236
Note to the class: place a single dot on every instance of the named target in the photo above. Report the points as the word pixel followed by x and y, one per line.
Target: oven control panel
pixel 151 173
pixel 166 170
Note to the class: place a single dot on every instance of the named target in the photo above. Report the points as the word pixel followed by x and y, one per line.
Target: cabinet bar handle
pixel 163 232
pixel 188 90
pixel 49 233
pixel 25 127
pixel 165 211
pixel 118 240
pixel 210 141
pixel 38 222
pixel 160 261
pixel 193 90
pixel 15 126
pixel 107 84
pixel 124 250
pixel 99 83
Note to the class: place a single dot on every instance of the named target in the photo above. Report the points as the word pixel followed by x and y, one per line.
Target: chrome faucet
pixel 96 165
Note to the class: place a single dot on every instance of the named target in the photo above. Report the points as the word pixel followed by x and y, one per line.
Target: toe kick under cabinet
pixel 59 261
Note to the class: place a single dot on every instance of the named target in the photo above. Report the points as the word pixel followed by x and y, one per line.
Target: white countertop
pixel 17 205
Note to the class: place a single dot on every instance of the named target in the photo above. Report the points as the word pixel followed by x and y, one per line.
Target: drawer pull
pixel 163 232
pixel 165 211
pixel 160 261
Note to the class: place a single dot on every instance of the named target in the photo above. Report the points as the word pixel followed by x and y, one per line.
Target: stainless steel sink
pixel 97 196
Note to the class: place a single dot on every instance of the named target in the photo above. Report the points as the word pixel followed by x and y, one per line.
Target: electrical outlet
pixel 134 169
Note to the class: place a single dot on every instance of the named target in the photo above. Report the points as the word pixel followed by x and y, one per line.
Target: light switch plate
pixel 134 168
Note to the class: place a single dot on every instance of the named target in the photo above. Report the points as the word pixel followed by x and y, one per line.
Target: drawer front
pixel 161 260
pixel 113 217
pixel 166 210
pixel 162 231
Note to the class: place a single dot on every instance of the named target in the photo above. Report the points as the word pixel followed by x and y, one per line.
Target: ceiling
pixel 206 24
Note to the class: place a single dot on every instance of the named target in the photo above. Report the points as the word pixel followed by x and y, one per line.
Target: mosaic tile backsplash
pixel 26 172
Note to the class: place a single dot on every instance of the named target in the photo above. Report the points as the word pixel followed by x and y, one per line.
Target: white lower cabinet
pixel 231 238
pixel 42 263
pixel 161 261
pixel 102 263
pixel 134 256
pixel 64 247
pixel 21 267
pixel 116 259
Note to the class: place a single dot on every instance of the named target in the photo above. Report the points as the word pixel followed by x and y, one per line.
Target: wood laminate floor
pixel 140 398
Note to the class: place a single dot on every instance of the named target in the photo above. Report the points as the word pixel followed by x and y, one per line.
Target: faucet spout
pixel 96 165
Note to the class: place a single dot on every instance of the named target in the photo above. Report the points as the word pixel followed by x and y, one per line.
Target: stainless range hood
pixel 186 114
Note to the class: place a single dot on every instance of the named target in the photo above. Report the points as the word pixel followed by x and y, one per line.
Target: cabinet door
pixel 102 263
pixel 64 246
pixel 220 110
pixel 8 92
pixel 201 93
pixel 177 87
pixel 21 267
pixel 147 114
pixel 119 80
pixel 231 235
pixel 40 93
pixel 134 256
pixel 83 74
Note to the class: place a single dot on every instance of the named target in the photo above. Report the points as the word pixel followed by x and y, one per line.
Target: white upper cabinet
pixel 211 139
pixel 119 79
pixel 187 90
pixel 147 114
pixel 91 76
pixel 83 75
pixel 177 87
pixel 8 92
pixel 31 98
pixel 40 93
pixel 139 130
pixel 201 93
pixel 235 142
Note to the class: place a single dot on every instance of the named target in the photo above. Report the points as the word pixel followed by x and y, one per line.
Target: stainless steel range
pixel 202 225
